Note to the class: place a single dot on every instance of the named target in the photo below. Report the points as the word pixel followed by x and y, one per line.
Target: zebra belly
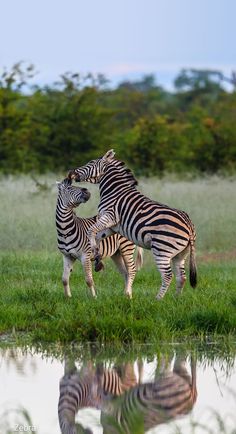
pixel 75 253
pixel 144 242
pixel 108 246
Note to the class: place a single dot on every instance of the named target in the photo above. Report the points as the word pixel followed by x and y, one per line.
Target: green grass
pixel 32 299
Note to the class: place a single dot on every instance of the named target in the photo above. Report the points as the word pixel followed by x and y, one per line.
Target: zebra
pixel 73 241
pixel 77 390
pixel 124 402
pixel 117 380
pixel 88 387
pixel 147 405
pixel 167 232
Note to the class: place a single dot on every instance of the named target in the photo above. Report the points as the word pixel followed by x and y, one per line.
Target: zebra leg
pixel 180 368
pixel 128 258
pixel 68 262
pixel 163 265
pixel 179 269
pixel 140 370
pixel 121 264
pixel 87 267
pixel 118 261
pixel 106 221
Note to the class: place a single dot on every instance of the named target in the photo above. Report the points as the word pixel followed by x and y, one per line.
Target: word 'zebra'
pixel 168 232
pixel 73 241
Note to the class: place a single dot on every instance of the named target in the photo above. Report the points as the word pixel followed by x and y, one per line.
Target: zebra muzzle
pixel 85 194
pixel 98 265
pixel 73 175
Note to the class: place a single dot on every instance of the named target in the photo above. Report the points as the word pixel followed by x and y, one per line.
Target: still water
pixel 165 391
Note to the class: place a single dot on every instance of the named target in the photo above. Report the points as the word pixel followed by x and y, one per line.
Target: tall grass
pixel 27 212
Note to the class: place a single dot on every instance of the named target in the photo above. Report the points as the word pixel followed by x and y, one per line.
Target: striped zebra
pixel 147 405
pixel 117 380
pixel 77 390
pixel 167 232
pixel 73 241
pixel 123 402
pixel 89 387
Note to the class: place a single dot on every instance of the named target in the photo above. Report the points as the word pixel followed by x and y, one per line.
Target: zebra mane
pixel 66 182
pixel 129 176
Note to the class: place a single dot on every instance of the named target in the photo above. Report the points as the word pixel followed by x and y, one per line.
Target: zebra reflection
pixel 127 406
pixel 173 393
pixel 89 387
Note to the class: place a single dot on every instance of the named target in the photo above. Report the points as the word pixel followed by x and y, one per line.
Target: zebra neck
pixel 114 184
pixel 64 216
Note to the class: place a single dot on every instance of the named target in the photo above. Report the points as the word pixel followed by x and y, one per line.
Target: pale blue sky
pixel 122 39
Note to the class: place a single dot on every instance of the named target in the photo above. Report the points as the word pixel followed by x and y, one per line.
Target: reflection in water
pixel 20 360
pixel 106 396
pixel 127 405
pixel 16 419
pixel 89 387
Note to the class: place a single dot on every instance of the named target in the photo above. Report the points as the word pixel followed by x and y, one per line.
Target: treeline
pixel 63 125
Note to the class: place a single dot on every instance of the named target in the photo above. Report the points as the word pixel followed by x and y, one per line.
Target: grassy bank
pixel 32 299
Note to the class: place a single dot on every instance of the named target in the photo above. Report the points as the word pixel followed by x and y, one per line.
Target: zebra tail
pixel 194 378
pixel 192 265
pixel 139 258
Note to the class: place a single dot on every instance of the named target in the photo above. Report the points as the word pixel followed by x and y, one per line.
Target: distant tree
pixel 198 79
pixel 156 145
pixel 201 86
pixel 17 77
pixel 147 83
pixel 65 124
pixel 13 150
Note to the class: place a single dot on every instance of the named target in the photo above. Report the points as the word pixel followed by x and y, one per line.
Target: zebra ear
pixel 58 183
pixel 109 155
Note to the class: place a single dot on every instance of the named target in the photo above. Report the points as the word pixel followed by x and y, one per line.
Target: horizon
pixel 161 79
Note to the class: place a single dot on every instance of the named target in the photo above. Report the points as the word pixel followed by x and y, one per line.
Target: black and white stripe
pixel 78 389
pixel 89 387
pixel 124 402
pixel 147 405
pixel 167 232
pixel 73 241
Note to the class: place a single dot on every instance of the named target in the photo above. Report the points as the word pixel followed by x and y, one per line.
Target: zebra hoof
pixel 98 266
pixel 159 297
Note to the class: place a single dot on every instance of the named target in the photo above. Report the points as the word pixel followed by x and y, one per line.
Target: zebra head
pixel 93 170
pixel 70 195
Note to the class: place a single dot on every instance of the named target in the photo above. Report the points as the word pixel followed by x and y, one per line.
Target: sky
pixel 123 39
